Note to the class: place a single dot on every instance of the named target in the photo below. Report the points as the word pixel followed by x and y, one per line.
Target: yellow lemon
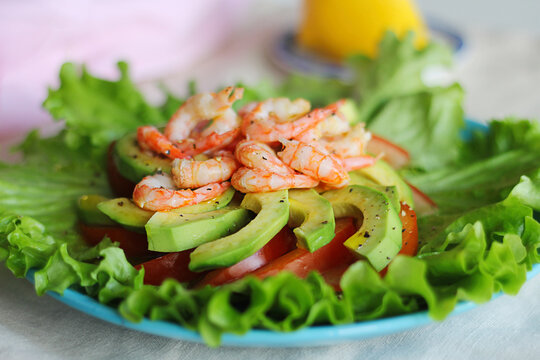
pixel 338 28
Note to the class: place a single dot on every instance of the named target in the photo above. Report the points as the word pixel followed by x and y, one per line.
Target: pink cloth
pixel 155 37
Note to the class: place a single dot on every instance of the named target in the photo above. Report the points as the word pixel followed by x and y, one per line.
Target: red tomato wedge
pixel 172 265
pixel 119 184
pixel 301 262
pixel 134 244
pixel 422 203
pixel 409 233
pixel 283 242
pixel 333 276
pixel 395 155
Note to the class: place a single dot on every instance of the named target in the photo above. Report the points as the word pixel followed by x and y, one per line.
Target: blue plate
pixel 289 57
pixel 311 336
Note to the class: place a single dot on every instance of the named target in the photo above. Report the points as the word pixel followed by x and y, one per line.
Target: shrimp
pixel 334 124
pixel 158 193
pixel 246 109
pixel 279 110
pixel 357 162
pixel 350 144
pixel 188 173
pixel 210 143
pixel 266 130
pixel 248 180
pixel 257 155
pixel 314 161
pixel 200 107
pixel 150 138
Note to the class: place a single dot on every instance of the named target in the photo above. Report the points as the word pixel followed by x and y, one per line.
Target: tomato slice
pixel 395 155
pixel 119 184
pixel 172 265
pixel 301 262
pixel 409 233
pixel 134 244
pixel 283 242
pixel 422 203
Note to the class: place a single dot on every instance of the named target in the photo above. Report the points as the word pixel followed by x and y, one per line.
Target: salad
pixel 103 208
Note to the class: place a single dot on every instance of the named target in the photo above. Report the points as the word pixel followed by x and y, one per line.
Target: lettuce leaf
pixel 98 111
pixel 487 168
pixel 395 72
pixel 427 124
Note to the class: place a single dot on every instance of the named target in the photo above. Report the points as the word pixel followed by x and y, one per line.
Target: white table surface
pixel 500 73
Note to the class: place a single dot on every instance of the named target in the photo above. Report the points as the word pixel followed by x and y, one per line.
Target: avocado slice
pixel 170 231
pixel 134 163
pixel 88 213
pixel 126 213
pixel 378 238
pixel 390 191
pixel 383 174
pixel 272 210
pixel 312 217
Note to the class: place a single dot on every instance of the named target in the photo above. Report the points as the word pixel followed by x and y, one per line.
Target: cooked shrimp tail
pixel 149 138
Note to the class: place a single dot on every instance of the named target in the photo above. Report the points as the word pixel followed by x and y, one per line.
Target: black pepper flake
pixel 387 258
pixel 208 189
pixel 264 158
pixel 181 215
pixel 194 146
pixel 324 222
pixel 120 203
pixel 350 190
pixel 393 228
pixel 217 202
pixel 366 234
pixel 281 200
pixel 403 230
pixel 159 172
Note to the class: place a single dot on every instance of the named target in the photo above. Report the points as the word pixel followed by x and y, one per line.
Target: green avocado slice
pixel 383 174
pixel 126 213
pixel 134 163
pixel 169 231
pixel 378 238
pixel 88 213
pixel 390 191
pixel 272 214
pixel 312 217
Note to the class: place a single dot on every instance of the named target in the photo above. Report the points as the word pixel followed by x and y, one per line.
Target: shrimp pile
pixel 266 146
